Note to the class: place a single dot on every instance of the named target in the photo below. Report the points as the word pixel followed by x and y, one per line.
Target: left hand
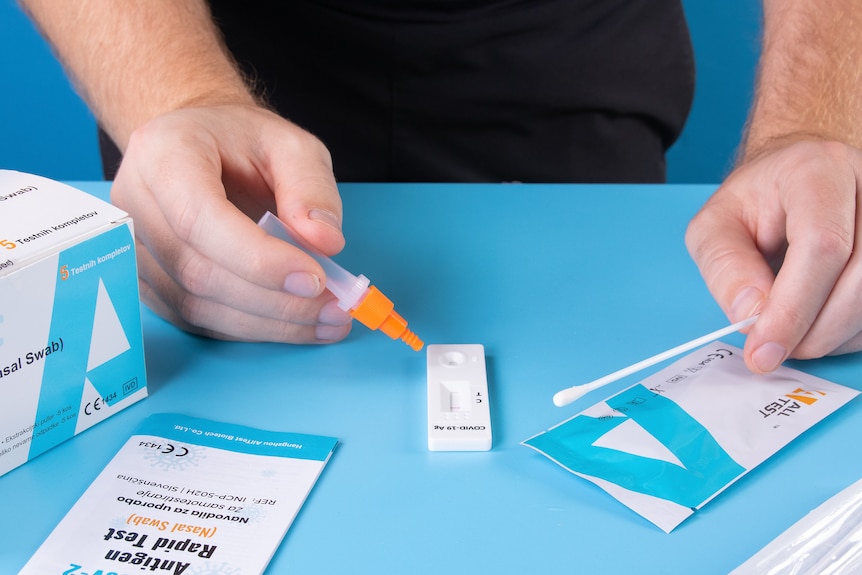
pixel 781 237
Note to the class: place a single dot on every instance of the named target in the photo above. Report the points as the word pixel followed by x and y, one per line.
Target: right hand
pixel 195 181
pixel 781 237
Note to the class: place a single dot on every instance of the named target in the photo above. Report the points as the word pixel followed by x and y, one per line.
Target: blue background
pixel 46 128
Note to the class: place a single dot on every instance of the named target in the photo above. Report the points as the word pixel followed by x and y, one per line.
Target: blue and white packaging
pixel 666 446
pixel 71 347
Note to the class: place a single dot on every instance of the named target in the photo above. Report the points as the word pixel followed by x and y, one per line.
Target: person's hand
pixel 783 237
pixel 195 182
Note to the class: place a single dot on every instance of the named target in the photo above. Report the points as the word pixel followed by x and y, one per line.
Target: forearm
pixel 810 76
pixel 134 60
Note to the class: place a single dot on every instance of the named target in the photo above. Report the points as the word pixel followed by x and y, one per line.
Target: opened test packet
pixel 668 445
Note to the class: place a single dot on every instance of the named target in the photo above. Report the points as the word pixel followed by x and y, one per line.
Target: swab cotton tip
pixel 567 396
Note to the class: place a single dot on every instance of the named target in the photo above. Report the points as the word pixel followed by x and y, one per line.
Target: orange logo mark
pixel 805 396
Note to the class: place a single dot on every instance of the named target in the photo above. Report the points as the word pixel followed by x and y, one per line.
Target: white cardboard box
pixel 71 347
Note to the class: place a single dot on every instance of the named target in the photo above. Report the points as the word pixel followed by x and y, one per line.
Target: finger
pixel 820 234
pixel 206 281
pixel 721 241
pixel 837 326
pixel 852 345
pixel 835 331
pixel 214 319
pixel 304 186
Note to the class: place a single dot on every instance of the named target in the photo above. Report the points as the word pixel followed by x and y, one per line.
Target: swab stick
pixel 569 395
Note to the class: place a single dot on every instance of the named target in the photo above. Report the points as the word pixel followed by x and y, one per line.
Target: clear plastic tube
pixel 355 294
pixel 827 541
pixel 347 287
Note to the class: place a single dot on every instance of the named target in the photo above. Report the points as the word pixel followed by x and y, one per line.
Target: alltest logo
pixel 789 403
pixel 805 396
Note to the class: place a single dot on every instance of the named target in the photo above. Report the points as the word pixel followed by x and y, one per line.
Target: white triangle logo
pixel 109 340
pixel 630 437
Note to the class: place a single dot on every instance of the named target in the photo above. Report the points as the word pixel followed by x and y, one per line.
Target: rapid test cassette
pixel 459 416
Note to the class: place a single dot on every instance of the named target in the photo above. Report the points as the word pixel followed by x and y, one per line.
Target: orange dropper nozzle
pixel 377 311
pixel 355 295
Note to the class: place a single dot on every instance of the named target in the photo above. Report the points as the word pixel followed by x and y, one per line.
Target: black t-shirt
pixel 474 90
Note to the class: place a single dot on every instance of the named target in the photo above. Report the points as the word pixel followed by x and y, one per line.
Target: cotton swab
pixel 569 395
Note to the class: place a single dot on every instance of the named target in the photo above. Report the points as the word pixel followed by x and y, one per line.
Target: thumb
pixel 734 269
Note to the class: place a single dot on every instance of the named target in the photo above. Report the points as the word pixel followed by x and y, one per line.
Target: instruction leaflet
pixel 187 495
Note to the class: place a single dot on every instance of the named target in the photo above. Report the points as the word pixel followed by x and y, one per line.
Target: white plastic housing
pixel 459 416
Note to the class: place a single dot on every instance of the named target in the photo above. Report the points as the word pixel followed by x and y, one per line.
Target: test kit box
pixel 71 347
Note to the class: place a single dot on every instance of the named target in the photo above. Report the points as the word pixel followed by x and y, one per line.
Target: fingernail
pixel 325 217
pixel 331 332
pixel 745 304
pixel 768 357
pixel 302 284
pixel 331 314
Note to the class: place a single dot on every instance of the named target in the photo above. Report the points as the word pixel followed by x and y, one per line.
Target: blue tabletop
pixel 561 284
